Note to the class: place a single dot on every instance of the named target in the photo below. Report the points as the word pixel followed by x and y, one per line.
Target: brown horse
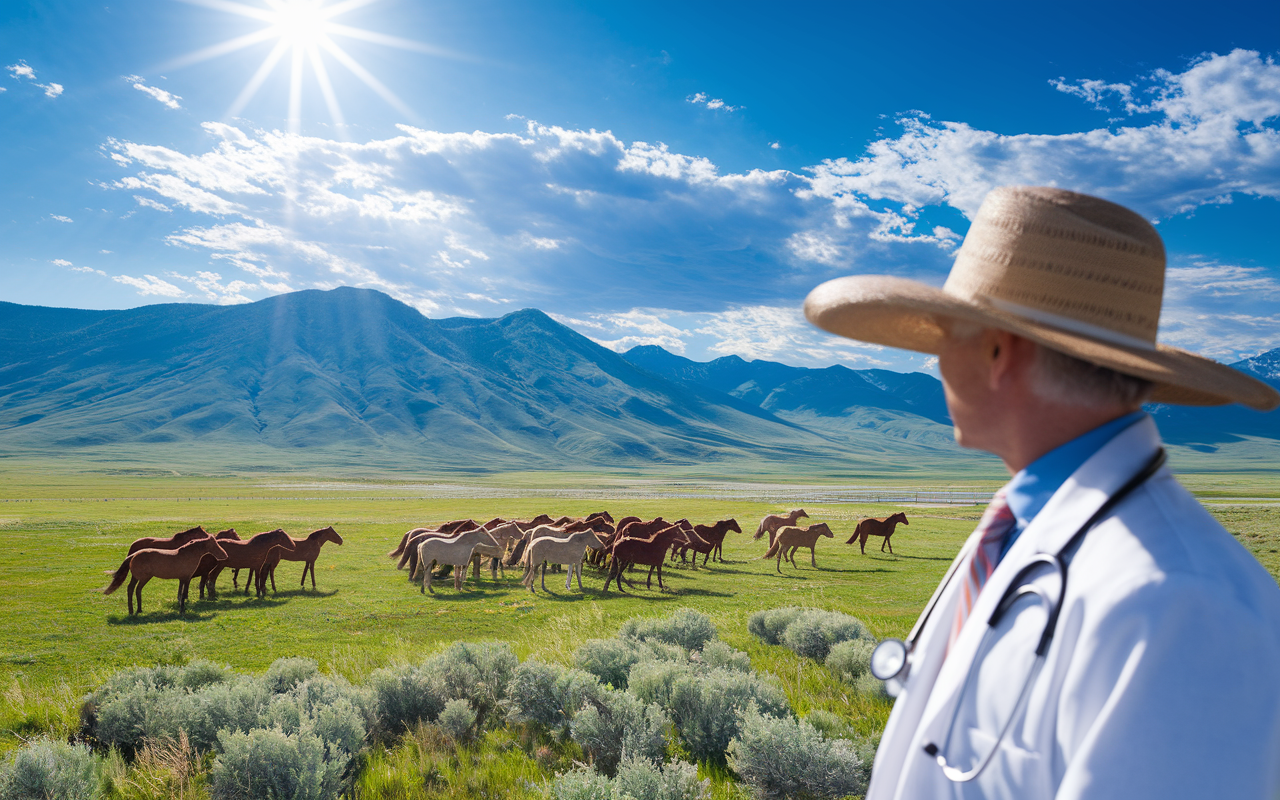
pixel 178 564
pixel 651 551
pixel 249 555
pixel 877 527
pixel 209 562
pixel 791 538
pixel 172 543
pixel 772 522
pixel 713 535
pixel 306 550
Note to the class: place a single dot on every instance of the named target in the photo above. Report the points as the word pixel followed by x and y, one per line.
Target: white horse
pixel 503 535
pixel 568 551
pixel 455 551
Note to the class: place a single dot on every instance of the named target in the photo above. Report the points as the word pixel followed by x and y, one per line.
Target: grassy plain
pixel 61 528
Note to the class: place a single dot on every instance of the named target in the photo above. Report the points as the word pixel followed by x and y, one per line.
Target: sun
pixel 303 32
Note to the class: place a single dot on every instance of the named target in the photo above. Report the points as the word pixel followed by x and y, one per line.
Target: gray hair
pixel 1066 379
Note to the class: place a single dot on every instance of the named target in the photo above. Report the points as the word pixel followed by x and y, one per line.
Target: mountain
pixel 356 371
pixel 837 399
pixel 353 376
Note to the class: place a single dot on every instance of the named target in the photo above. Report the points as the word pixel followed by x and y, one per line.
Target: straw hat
pixel 1071 272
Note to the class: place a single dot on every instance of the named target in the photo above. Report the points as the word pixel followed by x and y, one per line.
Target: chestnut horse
pixel 877 527
pixel 249 555
pixel 209 562
pixel 651 551
pixel 306 550
pixel 178 564
pixel 172 543
pixel 713 535
pixel 772 522
pixel 792 538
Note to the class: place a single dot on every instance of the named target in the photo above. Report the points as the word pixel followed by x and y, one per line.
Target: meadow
pixel 60 637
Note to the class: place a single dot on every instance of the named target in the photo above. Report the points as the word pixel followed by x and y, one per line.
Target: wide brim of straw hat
pixel 897 312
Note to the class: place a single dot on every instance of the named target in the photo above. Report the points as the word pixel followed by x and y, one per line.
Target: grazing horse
pixel 306 550
pixel 178 564
pixel 651 552
pixel 503 534
pixel 250 554
pixel 455 551
pixel 877 527
pixel 568 551
pixel 713 535
pixel 772 522
pixel 791 538
pixel 172 543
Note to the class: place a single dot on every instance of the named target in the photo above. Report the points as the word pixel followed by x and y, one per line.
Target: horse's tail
pixel 118 578
pixel 773 548
pixel 856 532
pixel 759 531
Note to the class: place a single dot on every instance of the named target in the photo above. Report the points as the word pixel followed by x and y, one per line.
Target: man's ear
pixel 1009 356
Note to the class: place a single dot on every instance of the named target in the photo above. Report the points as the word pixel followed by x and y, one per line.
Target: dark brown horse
pixel 713 535
pixel 209 562
pixel 877 527
pixel 651 551
pixel 172 543
pixel 178 564
pixel 249 555
pixel 306 550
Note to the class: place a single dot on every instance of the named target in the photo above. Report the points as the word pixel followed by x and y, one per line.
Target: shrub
pixel 200 673
pixel 610 660
pixel 48 769
pixel 233 705
pixel 286 673
pixel 705 706
pixel 782 758
pixel 548 696
pixel 332 710
pixel 850 659
pixel 717 654
pixel 830 725
pixel 813 633
pixel 686 628
pixel 477 672
pixel 641 779
pixel 403 696
pixel 770 625
pixel 457 719
pixel 583 783
pixel 273 764
pixel 617 726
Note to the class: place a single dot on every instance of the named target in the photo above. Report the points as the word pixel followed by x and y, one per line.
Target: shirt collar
pixel 1032 487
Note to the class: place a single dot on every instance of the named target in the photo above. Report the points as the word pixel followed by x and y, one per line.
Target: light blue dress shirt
pixel 1032 487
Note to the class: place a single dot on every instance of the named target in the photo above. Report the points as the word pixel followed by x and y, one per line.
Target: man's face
pixel 964 363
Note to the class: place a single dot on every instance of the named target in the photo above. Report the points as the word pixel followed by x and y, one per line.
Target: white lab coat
pixel 1163 678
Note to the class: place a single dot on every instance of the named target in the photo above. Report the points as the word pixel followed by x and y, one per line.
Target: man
pixel 1100 635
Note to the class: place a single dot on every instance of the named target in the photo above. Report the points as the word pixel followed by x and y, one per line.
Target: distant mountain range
pixel 355 369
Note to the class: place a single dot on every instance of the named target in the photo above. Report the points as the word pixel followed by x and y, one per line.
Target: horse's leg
pixel 812 552
pixel 661 588
pixel 133 583
pixel 886 541
pixel 648 584
pixel 235 578
pixel 182 596
pixel 272 573
pixel 213 582
pixel 862 543
pixel 544 576
pixel 141 583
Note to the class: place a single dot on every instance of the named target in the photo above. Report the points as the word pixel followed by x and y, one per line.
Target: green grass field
pixel 61 529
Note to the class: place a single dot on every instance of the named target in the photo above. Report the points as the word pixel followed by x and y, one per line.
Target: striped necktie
pixel 995 524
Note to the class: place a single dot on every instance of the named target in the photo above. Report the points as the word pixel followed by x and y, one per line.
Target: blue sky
pixel 671 173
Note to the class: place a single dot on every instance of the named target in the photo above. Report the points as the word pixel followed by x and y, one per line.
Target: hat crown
pixel 1064 259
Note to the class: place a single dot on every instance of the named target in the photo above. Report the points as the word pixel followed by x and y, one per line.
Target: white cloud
pixel 713 103
pixel 1207 142
pixel 781 333
pixel 51 89
pixel 167 99
pixel 775 145
pixel 150 285
pixel 21 70
pixel 147 202
pixel 89 270
pixel 60 218
pixel 1094 92
pixel 1222 311
pixel 210 283
pixel 61 262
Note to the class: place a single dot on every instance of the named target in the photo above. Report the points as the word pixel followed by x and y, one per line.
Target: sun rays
pixel 303 32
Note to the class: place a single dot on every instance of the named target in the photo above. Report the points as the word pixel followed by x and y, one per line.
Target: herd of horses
pixel 612 547
pixel 196 553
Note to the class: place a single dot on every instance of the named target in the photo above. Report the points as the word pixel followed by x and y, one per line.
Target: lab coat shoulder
pixel 1170 648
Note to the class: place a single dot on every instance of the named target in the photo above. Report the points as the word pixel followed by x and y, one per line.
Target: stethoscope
pixel 891 660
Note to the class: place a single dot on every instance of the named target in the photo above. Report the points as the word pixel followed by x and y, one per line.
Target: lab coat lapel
pixel 1070 507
